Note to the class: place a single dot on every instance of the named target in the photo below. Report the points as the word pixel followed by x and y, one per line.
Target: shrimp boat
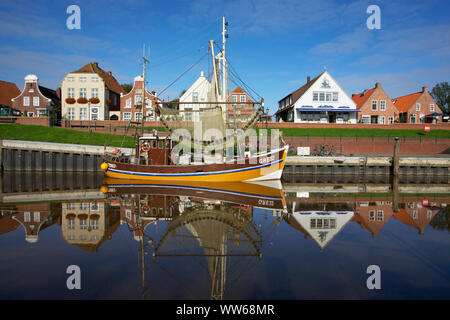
pixel 220 153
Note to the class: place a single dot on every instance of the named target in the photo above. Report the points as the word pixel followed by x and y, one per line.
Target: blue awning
pixel 434 115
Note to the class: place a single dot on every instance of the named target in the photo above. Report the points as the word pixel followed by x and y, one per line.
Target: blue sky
pixel 273 45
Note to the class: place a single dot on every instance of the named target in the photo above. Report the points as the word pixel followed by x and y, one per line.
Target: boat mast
pixel 145 60
pixel 224 63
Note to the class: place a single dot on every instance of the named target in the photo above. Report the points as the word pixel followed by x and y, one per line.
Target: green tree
pixel 441 94
pixel 127 87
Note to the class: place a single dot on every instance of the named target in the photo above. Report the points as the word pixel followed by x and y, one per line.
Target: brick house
pixel 36 100
pixel 130 103
pixel 90 93
pixel 375 106
pixel 418 107
pixel 240 111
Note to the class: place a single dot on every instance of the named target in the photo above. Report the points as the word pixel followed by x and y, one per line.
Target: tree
pixel 127 87
pixel 441 94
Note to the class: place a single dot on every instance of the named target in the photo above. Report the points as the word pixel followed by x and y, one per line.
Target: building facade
pixel 198 92
pixel 375 106
pixel 418 107
pixel 35 100
pixel 239 112
pixel 89 93
pixel 320 100
pixel 8 91
pixel 131 103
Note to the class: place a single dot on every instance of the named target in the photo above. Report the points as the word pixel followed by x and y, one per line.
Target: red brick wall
pixel 17 103
pixel 425 99
pixel 131 94
pixel 42 121
pixel 378 94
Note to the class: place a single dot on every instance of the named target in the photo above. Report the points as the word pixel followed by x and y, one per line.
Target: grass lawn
pixel 62 135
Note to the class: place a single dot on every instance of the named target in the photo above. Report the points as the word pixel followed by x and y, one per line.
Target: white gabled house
pixel 320 100
pixel 198 92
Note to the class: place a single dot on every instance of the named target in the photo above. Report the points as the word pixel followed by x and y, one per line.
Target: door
pixel 374 119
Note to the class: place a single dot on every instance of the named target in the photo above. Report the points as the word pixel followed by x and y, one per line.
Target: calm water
pixel 313 240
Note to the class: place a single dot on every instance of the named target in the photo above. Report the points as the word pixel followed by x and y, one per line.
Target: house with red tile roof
pixel 90 93
pixel 320 100
pixel 239 111
pixel 418 107
pixel 8 90
pixel 375 106
pixel 36 100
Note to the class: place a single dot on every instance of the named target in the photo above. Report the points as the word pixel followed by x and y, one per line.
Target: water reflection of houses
pixel 88 224
pixel 34 218
pixel 322 216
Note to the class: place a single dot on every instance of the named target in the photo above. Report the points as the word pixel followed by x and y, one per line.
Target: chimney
pixel 202 74
pixel 109 73
pixel 308 79
pixel 95 64
pixel 377 85
pixel 424 89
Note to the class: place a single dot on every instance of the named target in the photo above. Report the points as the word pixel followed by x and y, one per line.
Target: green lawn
pixel 62 135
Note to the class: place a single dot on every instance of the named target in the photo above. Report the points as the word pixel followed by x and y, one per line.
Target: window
pixel 322 96
pixel 30 114
pixel 83 114
pixel 128 103
pixel 372 215
pixel 82 92
pixel 413 118
pixel 71 224
pixel 94 92
pixel 36 101
pixel 391 120
pixel 94 113
pixel 194 96
pixel 83 226
pixel 70 206
pixel 417 106
pixel 335 96
pixel 94 79
pixel 149 116
pixel 70 93
pixel 415 214
pixel 137 116
pixel 365 119
pixel 71 114
pixel 26 101
pixel 431 107
pixel 37 216
pixel 380 215
pixel 374 105
pixel 127 116
pixel 137 100
pixel 382 105
pixel 148 103
pixel 82 79
pixel 70 79
pixel 27 216
pixel 234 98
pixel 315 96
pixel 382 120
pixel 83 206
pixel 188 115
pixel 42 113
pixel 328 96
pixel 242 98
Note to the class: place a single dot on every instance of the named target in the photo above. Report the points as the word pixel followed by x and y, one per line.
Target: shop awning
pixel 434 115
pixel 327 109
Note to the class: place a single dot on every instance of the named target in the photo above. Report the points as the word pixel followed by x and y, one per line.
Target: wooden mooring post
pixel 395 160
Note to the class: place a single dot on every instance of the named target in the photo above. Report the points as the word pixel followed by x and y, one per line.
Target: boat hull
pixel 268 166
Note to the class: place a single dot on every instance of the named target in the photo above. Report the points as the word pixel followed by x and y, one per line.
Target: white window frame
pixel 315 96
pixel 26 101
pixel 365 117
pixel 71 113
pixel 36 216
pixel 432 107
pixel 194 96
pixel 36 101
pixel 138 116
pixel 234 98
pixel 390 120
pixel 374 105
pixel 380 215
pixel 41 112
pixel 83 79
pixel 127 116
pixel 94 92
pixel 128 103
pixel 83 113
pixel 413 116
pixel 82 92
pixel 148 103
pixel 418 106
pixel 137 100
pixel 242 98
pixel 335 96
pixel 382 120
pixel 321 96
pixel 70 92
pixel 27 216
pixel 372 215
pixel 94 79
pixel 382 105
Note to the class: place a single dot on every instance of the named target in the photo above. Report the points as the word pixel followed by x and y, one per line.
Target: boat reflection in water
pixel 213 223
